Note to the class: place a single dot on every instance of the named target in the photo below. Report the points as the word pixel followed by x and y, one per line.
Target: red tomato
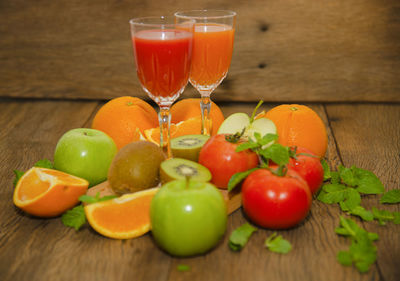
pixel 275 202
pixel 309 168
pixel 220 157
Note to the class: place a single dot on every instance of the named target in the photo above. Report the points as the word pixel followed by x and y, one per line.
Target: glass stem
pixel 205 106
pixel 165 120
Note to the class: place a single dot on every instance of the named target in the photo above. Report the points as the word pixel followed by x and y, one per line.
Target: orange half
pixel 48 193
pixel 124 217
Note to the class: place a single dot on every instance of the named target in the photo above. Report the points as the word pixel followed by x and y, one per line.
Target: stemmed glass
pixel 212 52
pixel 163 50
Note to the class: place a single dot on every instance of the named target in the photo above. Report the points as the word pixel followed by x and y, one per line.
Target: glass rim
pixel 141 21
pixel 228 14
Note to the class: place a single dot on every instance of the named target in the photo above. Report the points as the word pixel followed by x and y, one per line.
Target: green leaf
pixel 268 138
pixel 367 182
pixel 276 152
pixel 335 177
pixel 352 200
pixel 362 213
pixel 240 236
pixel 382 215
pixel 345 258
pixel 74 218
pixel 44 163
pixel 18 174
pixel 362 251
pixel 396 216
pixel 332 193
pixel 250 144
pixel 277 244
pixel 346 175
pixel 391 197
pixel 238 177
pixel 183 267
pixel 327 169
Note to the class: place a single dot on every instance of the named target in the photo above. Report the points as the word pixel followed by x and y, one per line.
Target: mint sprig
pixel 362 252
pixel 76 217
pixel 240 236
pixel 391 197
pixel 346 186
pixel 277 244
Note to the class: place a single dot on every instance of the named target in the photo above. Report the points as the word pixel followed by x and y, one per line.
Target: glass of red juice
pixel 163 52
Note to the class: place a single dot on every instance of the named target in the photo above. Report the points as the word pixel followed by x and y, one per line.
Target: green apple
pixel 188 217
pixel 237 122
pixel 85 153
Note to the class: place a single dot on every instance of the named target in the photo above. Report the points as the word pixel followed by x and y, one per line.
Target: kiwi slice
pixel 188 146
pixel 179 168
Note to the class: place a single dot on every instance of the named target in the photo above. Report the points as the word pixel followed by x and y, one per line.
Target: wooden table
pixel 60 61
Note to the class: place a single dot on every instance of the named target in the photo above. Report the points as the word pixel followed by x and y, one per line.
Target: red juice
pixel 163 61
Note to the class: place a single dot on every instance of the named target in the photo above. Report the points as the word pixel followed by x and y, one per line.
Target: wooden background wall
pixel 291 50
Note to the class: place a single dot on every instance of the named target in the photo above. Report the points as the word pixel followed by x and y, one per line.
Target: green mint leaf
pixel 327 169
pixel 352 200
pixel 373 236
pixel 74 218
pixel 332 193
pixel 277 244
pixel 367 182
pixel 239 177
pixel 396 216
pixel 240 236
pixel 362 213
pixel 247 145
pixel 382 215
pixel 346 175
pixel 268 138
pixel 345 258
pixel 276 152
pixel 90 199
pixel 44 163
pixel 183 267
pixel 362 251
pixel 391 197
pixel 18 174
pixel 335 177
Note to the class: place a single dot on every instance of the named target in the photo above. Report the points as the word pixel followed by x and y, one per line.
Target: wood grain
pixel 344 50
pixel 33 249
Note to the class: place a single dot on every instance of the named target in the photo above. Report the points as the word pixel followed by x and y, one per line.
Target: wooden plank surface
pixel 44 249
pixel 344 50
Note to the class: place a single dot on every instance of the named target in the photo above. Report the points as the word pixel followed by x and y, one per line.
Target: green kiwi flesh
pixel 188 146
pixel 179 168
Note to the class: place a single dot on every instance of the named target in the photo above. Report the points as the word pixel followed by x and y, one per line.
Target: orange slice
pixel 48 193
pixel 191 126
pixel 124 217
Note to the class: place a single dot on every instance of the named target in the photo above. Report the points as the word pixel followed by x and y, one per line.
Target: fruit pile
pixel 115 169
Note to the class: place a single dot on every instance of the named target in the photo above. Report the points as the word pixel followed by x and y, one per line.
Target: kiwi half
pixel 188 146
pixel 179 168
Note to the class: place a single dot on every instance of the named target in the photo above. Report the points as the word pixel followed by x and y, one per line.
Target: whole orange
pixel 189 108
pixel 125 119
pixel 299 125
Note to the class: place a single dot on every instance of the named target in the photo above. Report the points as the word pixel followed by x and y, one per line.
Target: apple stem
pixel 255 111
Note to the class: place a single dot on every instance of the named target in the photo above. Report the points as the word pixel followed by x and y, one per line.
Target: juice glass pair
pixel 195 46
